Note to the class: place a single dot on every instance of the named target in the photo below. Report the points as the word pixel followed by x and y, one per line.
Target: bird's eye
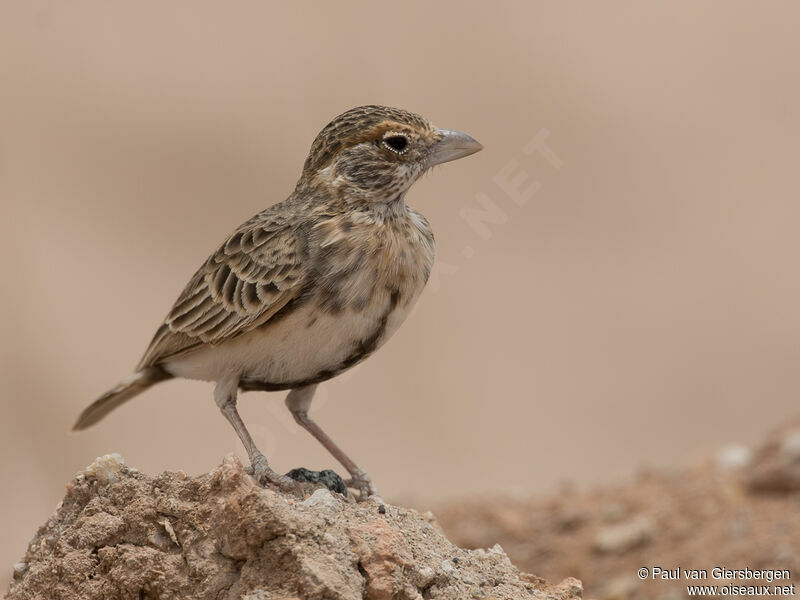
pixel 396 143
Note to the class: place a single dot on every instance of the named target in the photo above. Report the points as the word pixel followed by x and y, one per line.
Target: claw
pixel 362 482
pixel 264 475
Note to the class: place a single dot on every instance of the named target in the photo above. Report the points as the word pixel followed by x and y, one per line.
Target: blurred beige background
pixel 640 309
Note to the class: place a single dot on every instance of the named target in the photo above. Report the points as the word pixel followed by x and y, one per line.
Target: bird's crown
pixel 375 153
pixel 358 125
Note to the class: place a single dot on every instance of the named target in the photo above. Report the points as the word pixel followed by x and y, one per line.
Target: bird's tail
pixel 122 392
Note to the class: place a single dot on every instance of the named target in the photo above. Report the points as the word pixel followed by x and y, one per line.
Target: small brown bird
pixel 310 286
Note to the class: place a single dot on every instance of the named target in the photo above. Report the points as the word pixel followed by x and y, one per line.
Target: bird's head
pixel 374 153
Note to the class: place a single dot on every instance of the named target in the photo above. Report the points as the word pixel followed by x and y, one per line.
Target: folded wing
pixel 250 277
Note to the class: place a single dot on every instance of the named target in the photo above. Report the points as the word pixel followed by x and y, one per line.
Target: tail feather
pixel 122 392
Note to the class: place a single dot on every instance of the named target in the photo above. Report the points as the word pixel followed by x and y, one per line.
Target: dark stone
pixel 330 479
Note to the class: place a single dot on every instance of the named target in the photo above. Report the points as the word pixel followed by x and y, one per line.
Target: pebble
pixel 257 595
pixel 105 469
pixel 321 498
pixel 733 457
pixel 624 536
pixel 426 575
pixel 791 445
pixel 448 569
pixel 19 569
pixel 614 511
pixel 619 588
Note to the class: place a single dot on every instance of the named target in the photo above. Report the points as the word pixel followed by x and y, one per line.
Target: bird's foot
pixel 362 482
pixel 264 475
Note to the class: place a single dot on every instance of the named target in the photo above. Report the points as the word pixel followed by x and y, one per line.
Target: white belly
pixel 305 344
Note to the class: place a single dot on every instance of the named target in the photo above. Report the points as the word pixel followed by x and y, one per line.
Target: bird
pixel 310 286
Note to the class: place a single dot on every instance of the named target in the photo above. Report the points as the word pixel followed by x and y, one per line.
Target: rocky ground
pixel 120 534
pixel 738 509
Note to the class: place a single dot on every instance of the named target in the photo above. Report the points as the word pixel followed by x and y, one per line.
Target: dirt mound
pixel 121 534
pixel 739 509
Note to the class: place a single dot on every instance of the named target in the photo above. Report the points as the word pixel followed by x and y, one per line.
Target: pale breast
pixel 367 277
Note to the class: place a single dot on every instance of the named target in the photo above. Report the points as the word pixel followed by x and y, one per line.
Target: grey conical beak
pixel 452 146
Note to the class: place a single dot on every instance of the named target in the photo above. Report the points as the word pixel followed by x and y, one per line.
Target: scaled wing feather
pixel 250 277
